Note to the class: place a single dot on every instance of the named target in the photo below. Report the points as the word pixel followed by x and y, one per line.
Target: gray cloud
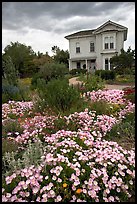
pixel 43 15
pixel 62 18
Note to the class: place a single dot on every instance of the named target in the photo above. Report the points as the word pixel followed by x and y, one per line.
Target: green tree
pixel 124 60
pixel 22 57
pixel 9 73
pixel 60 56
pixel 42 59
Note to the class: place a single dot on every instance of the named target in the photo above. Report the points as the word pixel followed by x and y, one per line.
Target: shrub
pixel 11 127
pixel 6 143
pixel 49 71
pixel 94 83
pixel 13 160
pixel 15 93
pixel 106 74
pixel 124 132
pixel 34 80
pixel 77 71
pixel 57 94
pixel 101 107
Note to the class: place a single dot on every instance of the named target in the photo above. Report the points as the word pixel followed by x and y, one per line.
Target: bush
pixel 94 83
pixel 34 80
pixel 49 71
pixel 6 143
pixel 13 160
pixel 11 126
pixel 77 71
pixel 124 132
pixel 57 94
pixel 106 74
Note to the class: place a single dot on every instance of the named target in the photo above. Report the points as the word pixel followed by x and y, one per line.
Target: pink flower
pixel 59 198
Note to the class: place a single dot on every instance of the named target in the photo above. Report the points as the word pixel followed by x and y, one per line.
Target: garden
pixel 69 144
pixel 64 143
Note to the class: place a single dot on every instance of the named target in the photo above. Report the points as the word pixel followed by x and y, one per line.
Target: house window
pixel 106 64
pixel 92 47
pixel 111 42
pixel 78 65
pixel 106 42
pixel 77 47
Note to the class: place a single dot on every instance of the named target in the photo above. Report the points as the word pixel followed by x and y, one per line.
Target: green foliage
pixel 60 56
pixel 49 71
pixel 22 57
pixel 6 143
pixel 101 107
pixel 9 71
pixel 94 83
pixel 13 160
pixel 57 94
pixel 124 132
pixel 77 71
pixel 124 60
pixel 12 126
pixel 15 93
pixel 106 74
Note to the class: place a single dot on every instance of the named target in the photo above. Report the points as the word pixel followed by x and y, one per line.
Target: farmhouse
pixel 92 49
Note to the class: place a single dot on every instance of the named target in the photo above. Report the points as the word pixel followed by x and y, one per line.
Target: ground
pixel 74 81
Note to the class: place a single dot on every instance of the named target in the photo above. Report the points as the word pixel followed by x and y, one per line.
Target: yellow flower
pixel 65 185
pixel 79 190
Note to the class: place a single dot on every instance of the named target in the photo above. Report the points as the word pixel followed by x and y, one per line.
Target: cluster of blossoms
pixel 111 96
pixel 16 108
pixel 34 127
pixel 129 108
pixel 76 166
pixel 76 169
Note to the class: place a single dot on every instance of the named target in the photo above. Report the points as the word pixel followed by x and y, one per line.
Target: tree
pixel 10 74
pixel 60 56
pixel 42 59
pixel 124 60
pixel 21 56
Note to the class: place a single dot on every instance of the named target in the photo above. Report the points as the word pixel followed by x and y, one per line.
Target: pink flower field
pixel 76 163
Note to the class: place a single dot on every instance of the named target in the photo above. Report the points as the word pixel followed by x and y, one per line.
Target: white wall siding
pixel 100 53
pixel 84 47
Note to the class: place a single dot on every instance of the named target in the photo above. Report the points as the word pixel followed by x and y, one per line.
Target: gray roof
pixel 93 31
pixel 81 33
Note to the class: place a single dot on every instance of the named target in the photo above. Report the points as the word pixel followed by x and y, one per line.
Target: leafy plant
pixel 94 83
pixel 106 74
pixel 11 126
pixel 58 95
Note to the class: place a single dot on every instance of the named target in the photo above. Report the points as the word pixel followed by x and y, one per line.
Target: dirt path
pixel 74 81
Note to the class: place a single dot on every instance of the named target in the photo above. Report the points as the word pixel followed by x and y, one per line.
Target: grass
pixel 123 79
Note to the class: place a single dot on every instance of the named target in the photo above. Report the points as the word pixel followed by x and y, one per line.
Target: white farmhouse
pixel 92 49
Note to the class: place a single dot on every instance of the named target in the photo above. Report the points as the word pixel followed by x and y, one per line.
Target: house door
pixel 92 65
pixel 78 65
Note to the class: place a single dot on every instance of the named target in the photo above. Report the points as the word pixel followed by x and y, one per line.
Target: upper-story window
pixel 77 47
pixel 109 42
pixel 106 42
pixel 92 47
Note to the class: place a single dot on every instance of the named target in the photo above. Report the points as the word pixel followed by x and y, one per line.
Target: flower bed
pixel 77 164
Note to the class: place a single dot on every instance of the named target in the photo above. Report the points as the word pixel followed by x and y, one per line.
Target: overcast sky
pixel 42 25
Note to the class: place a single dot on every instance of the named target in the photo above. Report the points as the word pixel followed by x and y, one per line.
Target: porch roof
pixel 83 58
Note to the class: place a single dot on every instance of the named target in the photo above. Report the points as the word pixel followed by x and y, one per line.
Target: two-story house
pixel 92 49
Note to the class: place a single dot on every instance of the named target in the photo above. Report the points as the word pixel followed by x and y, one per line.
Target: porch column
pixel 87 65
pixel 70 65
